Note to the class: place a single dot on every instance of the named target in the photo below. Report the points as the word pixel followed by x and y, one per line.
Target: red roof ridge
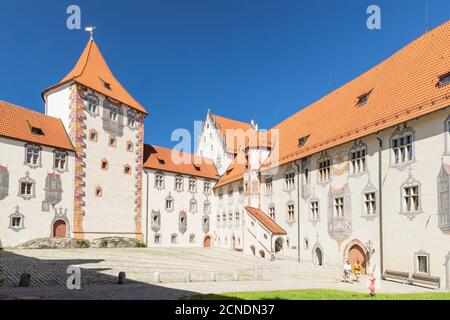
pixel 265 220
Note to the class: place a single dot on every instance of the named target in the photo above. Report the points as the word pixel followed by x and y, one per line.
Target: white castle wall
pixel 37 223
pixel 169 224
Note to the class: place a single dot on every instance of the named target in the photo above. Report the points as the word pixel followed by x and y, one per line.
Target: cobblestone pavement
pixel 100 268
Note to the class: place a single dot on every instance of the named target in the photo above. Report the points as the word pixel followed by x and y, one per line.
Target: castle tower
pixel 106 126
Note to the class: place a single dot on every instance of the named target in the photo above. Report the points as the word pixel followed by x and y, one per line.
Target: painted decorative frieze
pixel 4 182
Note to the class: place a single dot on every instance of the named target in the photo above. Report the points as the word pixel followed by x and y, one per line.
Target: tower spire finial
pixel 90 29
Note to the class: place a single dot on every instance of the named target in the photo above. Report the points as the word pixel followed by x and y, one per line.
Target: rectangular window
pixel 370 203
pixel 314 207
pixel 192 185
pixel 33 153
pixel 112 141
pixel 157 239
pixel 131 119
pixel 93 136
pixel 16 222
pixel 26 188
pixel 92 105
pixel 403 149
pixel 207 187
pixel 411 198
pixel 60 160
pixel 422 264
pixel 159 181
pixel 306 176
pixel 269 184
pixel 289 180
pixel 272 213
pixel 178 183
pixel 324 170
pixel 174 239
pixel 291 213
pixel 220 193
pixel 230 191
pixel 193 206
pixel 358 160
pixel 169 204
pixel 206 207
pixel 113 113
pixel 237 218
pixel 339 207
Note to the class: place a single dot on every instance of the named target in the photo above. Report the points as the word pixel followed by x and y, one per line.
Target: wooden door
pixel 59 229
pixel 356 254
pixel 207 242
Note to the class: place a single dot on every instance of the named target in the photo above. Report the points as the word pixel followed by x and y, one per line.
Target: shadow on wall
pixel 49 282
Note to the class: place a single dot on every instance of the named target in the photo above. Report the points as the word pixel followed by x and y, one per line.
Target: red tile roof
pixel 92 71
pixel 403 87
pixel 233 128
pixel 16 123
pixel 164 159
pixel 270 224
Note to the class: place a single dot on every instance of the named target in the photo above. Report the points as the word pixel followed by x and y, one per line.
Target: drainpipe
pixel 380 197
pixel 146 211
pixel 298 211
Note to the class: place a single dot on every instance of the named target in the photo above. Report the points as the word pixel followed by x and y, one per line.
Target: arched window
pixel 182 222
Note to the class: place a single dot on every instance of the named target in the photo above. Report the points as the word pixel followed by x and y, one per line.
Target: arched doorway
pixel 357 254
pixel 59 229
pixel 278 245
pixel 207 242
pixel 318 257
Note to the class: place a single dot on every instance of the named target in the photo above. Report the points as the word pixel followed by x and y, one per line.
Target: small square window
pixel 130 146
pixel 98 192
pixel 104 165
pixel 127 170
pixel 112 141
pixel 93 136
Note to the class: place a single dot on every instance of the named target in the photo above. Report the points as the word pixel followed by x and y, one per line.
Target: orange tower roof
pixel 92 71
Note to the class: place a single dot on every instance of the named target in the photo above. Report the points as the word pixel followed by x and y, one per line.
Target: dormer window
pixel 107 85
pixel 37 131
pixel 363 99
pixel 302 141
pixel 161 161
pixel 444 80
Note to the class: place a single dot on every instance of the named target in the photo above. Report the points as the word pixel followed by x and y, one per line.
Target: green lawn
pixel 320 294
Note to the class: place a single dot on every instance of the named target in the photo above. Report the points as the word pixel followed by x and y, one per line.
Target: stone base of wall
pixel 70 243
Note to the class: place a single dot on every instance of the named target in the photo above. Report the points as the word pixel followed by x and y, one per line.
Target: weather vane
pixel 90 29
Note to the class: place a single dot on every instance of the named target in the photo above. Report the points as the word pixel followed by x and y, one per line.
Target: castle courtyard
pixel 182 273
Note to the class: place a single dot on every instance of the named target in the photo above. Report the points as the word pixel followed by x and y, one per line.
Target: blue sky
pixel 245 58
